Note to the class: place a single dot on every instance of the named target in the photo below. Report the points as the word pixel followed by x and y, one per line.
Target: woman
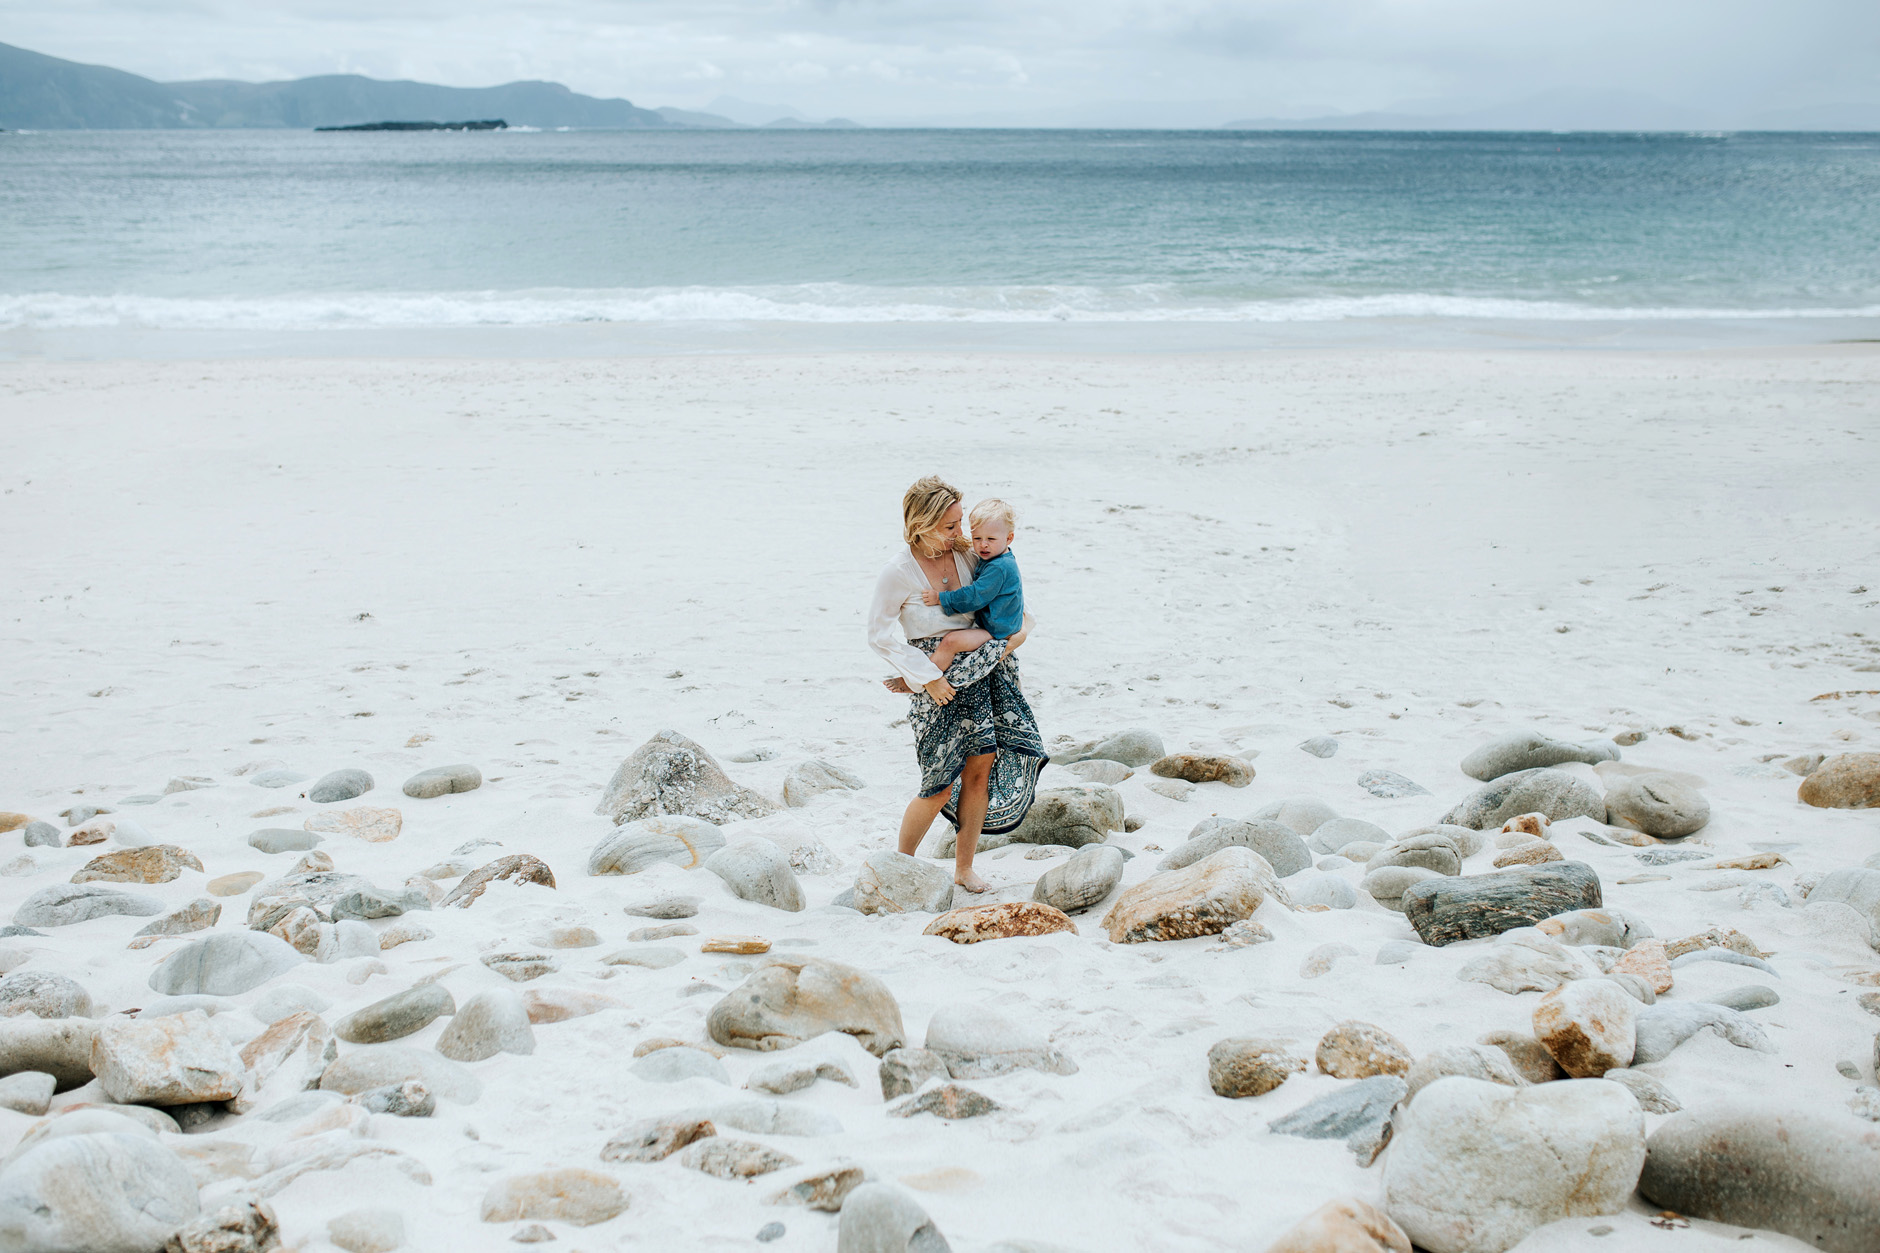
pixel 974 735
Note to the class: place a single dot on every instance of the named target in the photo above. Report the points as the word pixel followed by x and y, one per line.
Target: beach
pixel 226 564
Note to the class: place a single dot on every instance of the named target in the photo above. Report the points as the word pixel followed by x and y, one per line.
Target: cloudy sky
pixel 1171 61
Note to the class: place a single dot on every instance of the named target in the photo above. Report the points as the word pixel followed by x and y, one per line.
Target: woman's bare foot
pixel 972 882
pixel 898 684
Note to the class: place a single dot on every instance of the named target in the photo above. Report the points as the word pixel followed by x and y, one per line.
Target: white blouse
pixel 897 615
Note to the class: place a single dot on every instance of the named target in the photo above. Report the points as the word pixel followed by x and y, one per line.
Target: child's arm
pixel 976 595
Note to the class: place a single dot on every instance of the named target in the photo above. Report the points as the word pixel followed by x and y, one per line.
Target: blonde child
pixel 995 597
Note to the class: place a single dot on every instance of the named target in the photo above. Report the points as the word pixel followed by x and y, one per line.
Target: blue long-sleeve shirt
pixel 995 596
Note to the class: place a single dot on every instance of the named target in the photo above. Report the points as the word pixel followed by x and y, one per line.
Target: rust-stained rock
pixel 1648 961
pixel 178 1059
pixel 1347 1225
pixel 153 863
pixel 580 1198
pixel 365 822
pixel 1000 921
pixel 1359 1050
pixel 1849 781
pixel 521 867
pixel 946 1100
pixel 13 822
pixel 1527 1055
pixel 655 1139
pixel 1715 937
pixel 1202 899
pixel 825 1190
pixel 545 1005
pixel 1533 853
pixel 234 884
pixel 1204 768
pixel 301 1033
pixel 793 999
pixel 1590 1026
pixel 1250 1067
pixel 746 944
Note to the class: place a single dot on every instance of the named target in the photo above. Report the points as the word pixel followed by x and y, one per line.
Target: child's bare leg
pixel 953 643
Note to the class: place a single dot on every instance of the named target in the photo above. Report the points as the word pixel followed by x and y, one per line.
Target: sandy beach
pixel 532 564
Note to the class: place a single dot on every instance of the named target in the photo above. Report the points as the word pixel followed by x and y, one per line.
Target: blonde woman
pixel 974 735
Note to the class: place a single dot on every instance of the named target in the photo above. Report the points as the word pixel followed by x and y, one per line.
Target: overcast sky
pixel 906 59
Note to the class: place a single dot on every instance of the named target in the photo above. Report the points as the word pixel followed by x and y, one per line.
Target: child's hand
pixel 930 597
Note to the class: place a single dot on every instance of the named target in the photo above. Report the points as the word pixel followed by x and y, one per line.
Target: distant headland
pixel 494 124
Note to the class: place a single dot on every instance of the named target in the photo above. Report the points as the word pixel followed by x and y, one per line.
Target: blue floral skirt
pixel 988 714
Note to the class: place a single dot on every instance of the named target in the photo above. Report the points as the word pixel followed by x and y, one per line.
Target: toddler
pixel 994 597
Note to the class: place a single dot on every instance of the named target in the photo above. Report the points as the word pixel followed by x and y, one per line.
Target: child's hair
pixel 925 504
pixel 992 509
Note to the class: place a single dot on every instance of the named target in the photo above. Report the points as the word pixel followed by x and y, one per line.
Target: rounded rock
pixel 1657 804
pixel 340 785
pixel 1590 1026
pixel 367 1230
pixel 757 870
pixel 443 781
pixel 491 1022
pixel 1250 1067
pixel 1359 1050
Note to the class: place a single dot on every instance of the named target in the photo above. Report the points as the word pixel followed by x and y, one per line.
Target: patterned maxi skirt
pixel 988 714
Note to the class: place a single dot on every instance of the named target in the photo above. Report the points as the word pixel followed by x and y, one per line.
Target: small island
pixel 493 124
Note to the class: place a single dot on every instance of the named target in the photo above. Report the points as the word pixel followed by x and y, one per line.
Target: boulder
pixel 792 999
pixel 1323 891
pixel 1657 804
pixel 681 840
pixel 1473 907
pixel 60 1047
pixel 397 1016
pixel 43 995
pixel 1387 884
pixel 331 895
pixel 518 868
pixel 1333 836
pixel 1530 750
pixel 443 781
pixel 1000 921
pixel 1134 748
pixel 1474 1166
pixel 1083 881
pixel 1554 793
pixel 1359 1050
pixel 1525 960
pixel 100 1193
pixel 385 1065
pixel 1858 888
pixel 198 915
pixel 64 905
pixel 1662 1027
pixel 1279 844
pixel 1250 1067
pixel 491 1022
pixel 1589 1025
pixel 366 1231
pixel 1356 1113
pixel 28 1092
pixel 226 964
pixel 976 1043
pixel 178 1059
pixel 579 1198
pixel 340 785
pixel 1471 1061
pixel 1202 899
pixel 757 870
pixel 284 840
pixel 724 1158
pixel 1320 746
pixel 892 883
pixel 810 779
pixel 883 1218
pixel 1343 1226
pixel 1799 1172
pixel 903 1071
pixel 373 824
pixel 153 863
pixel 1109 773
pixel 1203 768
pixel 1848 781
pixel 1429 852
pixel 1304 814
pixel 1390 785
pixel 1527 1055
pixel 670 774
pixel 1072 816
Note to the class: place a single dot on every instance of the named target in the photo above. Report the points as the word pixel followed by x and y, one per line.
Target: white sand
pixel 539 563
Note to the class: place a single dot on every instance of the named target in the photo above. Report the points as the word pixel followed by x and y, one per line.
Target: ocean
pixel 295 230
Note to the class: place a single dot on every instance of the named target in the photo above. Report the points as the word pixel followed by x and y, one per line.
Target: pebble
pixel 385 1065
pixel 1334 836
pixel 340 785
pixel 1084 881
pixel 225 964
pixel 733 1159
pixel 1431 852
pixel 1359 1050
pixel 399 1015
pixel 1527 1055
pixel 43 995
pixel 283 840
pixel 1202 899
pixel 373 824
pixel 1749 996
pixel 770 1231
pixel 977 1043
pixel 278 778
pixel 1763 1165
pixel 580 1198
pixel 757 870
pixel 655 1139
pixel 1000 921
pixel 1328 891
pixel 783 1078
pixel 443 781
pixel 1245 1066
pixel 1245 934
pixel 1526 960
pixel 366 1231
pixel 1173 789
pixel 1387 884
pixel 825 1190
pixel 1203 768
pixel 234 884
pixel 1472 1061
pixel 890 882
pixel 672 930
pixel 409 1099
pixel 1590 1026
pixel 1304 814
pixel 649 958
pixel 42 834
pixel 1472 907
pixel 666 907
pixel 675 1065
pixel 520 966
pixel 1108 773
pixel 674 839
pixel 810 779
pixel 1653 1097
pixel 794 999
pixel 491 1022
pixel 747 945
pixel 1657 804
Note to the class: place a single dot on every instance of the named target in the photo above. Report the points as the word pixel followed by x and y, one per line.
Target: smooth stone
pixel 1347 1225
pixel 27 1092
pixel 1246 1066
pixel 1857 888
pixel 1553 793
pixel 1320 746
pixel 1390 785
pixel 677 1065
pixel 381 1065
pixel 783 1078
pixel 1108 773
pixel 655 1139
pixel 757 870
pixel 1388 884
pixel 1845 781
pixel 682 840
pixel 1279 844
pixel 1430 852
pixel 883 1218
pixel 1530 750
pixel 1527 960
pixel 234 884
pixel 1072 816
pixel 1656 804
pixel 340 785
pixel 724 1158
pixel 372 823
pixel 66 904
pixel 903 1071
pixel 99 1193
pixel 491 1022
pixel 1083 881
pixel 198 915
pixel 1333 836
pixel 331 896
pixel 768 1118
pixel 284 840
pixel 1527 1055
pixel 1136 747
pixel 1353 1109
pixel 520 965
pixel 1798 1172
pixel 42 835
pixel 1203 768
pixel 1652 1096
pixel 225 964
pixel 1664 1026
pixel 947 1100
pixel 278 778
pixel 1613 927
pixel 60 1047
pixel 666 907
pixel 810 779
pixel 580 1198
pixel 410 1099
pixel 1474 1167
pixel 890 882
pixel 1202 899
pixel 1749 996
pixel 1329 891
pixel 1727 957
pixel 1359 1050
pixel 792 999
pixel 443 781
pixel 824 1190
pixel 649 958
pixel 1304 814
pixel 43 995
pixel 178 1059
pixel 397 1016
pixel 1471 1061
pixel 366 1231
pixel 1472 907
pixel 1589 1025
pixel 672 775
pixel 977 1043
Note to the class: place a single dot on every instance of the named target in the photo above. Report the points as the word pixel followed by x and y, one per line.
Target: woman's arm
pixel 1018 637
pixel 884 631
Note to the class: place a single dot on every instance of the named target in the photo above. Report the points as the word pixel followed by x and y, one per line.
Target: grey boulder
pixel 1083 881
pixel 1073 816
pixel 227 964
pixel 883 1218
pixel 1554 793
pixel 792 999
pixel 1135 748
pixel 1282 847
pixel 397 1016
pixel 332 896
pixel 670 774
pixel 68 903
pixel 810 779
pixel 891 882
pixel 1663 1026
pixel 340 785
pixel 759 871
pixel 1657 804
pixel 489 1023
pixel 443 781
pixel 60 1047
pixel 42 834
pixel 100 1193
pixel 1330 837
pixel 1530 750
pixel 43 995
pixel 676 838
pixel 283 840
pixel 977 1043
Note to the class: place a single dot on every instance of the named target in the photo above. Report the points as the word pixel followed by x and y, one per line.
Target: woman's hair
pixel 925 504
pixel 992 509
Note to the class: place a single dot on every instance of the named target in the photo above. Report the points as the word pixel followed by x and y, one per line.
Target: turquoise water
pixel 294 229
